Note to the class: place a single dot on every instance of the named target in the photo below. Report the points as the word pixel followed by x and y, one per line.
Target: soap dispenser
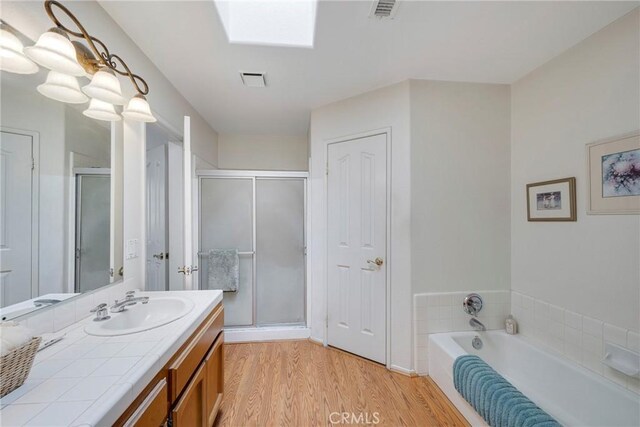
pixel 510 325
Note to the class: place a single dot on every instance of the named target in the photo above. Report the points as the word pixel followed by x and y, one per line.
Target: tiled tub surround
pixel 577 337
pixel 87 380
pixel 442 312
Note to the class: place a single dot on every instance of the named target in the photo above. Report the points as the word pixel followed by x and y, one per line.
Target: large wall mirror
pixel 60 200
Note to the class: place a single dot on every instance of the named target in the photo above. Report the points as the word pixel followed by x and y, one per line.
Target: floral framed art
pixel 552 200
pixel 613 169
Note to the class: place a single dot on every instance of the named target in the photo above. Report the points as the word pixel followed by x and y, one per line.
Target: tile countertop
pixel 87 380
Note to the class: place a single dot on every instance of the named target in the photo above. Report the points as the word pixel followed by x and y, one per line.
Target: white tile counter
pixel 87 380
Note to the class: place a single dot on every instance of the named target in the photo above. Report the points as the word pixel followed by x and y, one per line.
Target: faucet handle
pixel 98 308
pixel 101 313
pixel 472 304
pixel 130 294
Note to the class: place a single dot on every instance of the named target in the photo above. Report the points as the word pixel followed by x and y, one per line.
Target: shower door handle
pixel 188 269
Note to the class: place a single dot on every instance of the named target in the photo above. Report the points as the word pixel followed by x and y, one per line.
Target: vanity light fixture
pixel 12 58
pixel 69 59
pixel 62 87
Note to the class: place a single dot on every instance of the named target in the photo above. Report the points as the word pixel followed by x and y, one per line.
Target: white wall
pixel 263 152
pixel 460 186
pixel 590 92
pixel 384 108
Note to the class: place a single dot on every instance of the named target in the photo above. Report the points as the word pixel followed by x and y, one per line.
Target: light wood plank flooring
pixel 299 383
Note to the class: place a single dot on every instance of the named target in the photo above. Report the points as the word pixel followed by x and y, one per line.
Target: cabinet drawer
pixel 152 412
pixel 185 364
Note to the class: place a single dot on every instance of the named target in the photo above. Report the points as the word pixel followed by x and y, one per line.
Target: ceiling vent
pixel 384 8
pixel 253 79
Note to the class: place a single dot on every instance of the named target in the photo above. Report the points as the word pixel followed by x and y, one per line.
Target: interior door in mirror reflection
pixel 16 192
pixel 156 219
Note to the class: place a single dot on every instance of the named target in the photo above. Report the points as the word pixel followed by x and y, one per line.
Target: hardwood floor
pixel 300 384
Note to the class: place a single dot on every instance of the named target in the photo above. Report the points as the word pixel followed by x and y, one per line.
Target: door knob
pixel 378 261
pixel 159 256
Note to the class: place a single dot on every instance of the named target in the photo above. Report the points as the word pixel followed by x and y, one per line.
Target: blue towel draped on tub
pixel 494 398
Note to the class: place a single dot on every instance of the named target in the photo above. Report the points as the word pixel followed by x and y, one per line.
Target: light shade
pixel 105 86
pixel 101 110
pixel 12 58
pixel 54 51
pixel 138 109
pixel 63 88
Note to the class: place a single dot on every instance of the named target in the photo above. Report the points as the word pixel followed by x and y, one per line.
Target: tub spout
pixel 476 324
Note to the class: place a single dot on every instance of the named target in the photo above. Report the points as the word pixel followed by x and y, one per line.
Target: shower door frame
pixel 78 174
pixel 254 175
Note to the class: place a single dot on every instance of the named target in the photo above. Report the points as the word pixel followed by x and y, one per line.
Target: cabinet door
pixel 214 363
pixel 190 410
pixel 152 412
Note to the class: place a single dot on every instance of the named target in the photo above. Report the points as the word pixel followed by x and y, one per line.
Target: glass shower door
pixel 93 242
pixel 226 222
pixel 280 243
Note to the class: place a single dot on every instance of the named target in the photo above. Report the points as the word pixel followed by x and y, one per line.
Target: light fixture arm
pixel 104 57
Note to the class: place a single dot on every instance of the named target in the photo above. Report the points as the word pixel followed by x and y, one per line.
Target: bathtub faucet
pixel 476 324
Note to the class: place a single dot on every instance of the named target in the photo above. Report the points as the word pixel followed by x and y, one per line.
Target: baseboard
pixel 234 335
pixel 403 371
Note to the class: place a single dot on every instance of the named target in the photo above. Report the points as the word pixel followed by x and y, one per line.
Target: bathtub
pixel 572 394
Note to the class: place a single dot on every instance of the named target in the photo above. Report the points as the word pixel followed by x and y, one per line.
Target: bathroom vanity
pixel 188 389
pixel 171 374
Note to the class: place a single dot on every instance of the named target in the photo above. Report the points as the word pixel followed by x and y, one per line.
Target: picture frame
pixel 613 175
pixel 553 200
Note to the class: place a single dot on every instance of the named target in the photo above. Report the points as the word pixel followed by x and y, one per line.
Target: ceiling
pixel 496 42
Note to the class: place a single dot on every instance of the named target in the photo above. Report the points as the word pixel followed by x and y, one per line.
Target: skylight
pixel 269 22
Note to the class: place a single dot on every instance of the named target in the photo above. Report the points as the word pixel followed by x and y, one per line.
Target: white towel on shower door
pixel 224 269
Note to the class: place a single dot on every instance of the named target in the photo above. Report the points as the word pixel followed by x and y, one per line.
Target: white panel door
pixel 16 160
pixel 156 219
pixel 357 239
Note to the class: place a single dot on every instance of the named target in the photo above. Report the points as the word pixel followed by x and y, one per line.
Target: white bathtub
pixel 570 393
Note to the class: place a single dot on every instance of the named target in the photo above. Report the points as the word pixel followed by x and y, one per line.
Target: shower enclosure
pixel 262 215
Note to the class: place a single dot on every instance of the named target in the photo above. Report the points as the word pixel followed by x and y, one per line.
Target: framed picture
pixel 613 170
pixel 552 200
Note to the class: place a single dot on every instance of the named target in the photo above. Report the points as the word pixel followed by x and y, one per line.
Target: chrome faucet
pixel 101 313
pixel 129 299
pixel 476 324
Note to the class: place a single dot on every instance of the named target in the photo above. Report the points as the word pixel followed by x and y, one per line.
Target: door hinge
pixel 33 163
pixel 327 169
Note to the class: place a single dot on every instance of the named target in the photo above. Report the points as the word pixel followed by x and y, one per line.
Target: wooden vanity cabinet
pixel 188 391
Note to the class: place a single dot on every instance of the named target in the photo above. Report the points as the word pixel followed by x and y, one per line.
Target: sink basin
pixel 142 317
